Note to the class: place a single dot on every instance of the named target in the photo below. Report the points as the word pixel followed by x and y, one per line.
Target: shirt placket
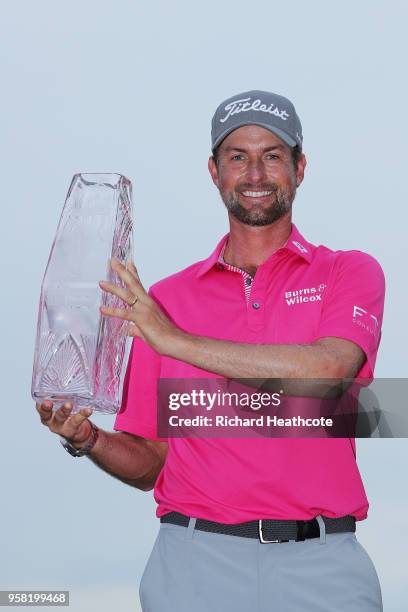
pixel 246 277
pixel 254 290
pixel 256 303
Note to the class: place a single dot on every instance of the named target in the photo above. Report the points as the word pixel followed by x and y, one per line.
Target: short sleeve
pixel 138 412
pixel 353 305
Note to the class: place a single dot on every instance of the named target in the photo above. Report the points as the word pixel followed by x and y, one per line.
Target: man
pixel 247 523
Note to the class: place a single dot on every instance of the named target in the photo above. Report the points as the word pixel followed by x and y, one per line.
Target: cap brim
pixel 280 133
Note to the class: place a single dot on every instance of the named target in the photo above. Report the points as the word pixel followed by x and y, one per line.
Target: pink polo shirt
pixel 302 292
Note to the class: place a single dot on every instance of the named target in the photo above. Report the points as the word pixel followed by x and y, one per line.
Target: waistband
pixel 268 530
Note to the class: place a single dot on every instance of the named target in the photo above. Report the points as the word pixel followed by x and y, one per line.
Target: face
pixel 255 175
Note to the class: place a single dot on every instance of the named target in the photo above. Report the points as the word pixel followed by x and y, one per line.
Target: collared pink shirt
pixel 302 292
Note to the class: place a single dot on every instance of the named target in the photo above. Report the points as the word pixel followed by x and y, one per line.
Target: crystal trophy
pixel 79 353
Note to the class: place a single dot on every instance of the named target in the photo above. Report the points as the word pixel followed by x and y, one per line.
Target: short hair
pixel 296 152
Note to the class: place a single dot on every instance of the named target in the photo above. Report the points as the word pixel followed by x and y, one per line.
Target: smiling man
pixel 263 524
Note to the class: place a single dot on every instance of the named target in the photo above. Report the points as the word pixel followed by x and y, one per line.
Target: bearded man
pixel 264 524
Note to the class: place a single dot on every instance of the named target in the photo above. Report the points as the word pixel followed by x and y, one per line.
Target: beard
pixel 258 215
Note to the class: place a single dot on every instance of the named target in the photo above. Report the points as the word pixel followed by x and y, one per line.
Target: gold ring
pixel 133 303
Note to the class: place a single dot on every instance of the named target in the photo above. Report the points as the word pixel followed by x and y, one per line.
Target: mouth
pixel 256 195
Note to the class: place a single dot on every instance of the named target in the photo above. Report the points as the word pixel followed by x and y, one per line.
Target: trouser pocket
pixel 165 584
pixel 367 566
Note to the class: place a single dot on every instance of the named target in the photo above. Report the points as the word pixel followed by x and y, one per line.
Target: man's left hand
pixel 148 321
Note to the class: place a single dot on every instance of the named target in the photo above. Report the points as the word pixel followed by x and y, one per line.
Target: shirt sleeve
pixel 138 412
pixel 353 305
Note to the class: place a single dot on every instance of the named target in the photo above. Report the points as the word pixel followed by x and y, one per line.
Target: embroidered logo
pixel 308 294
pixel 244 105
pixel 364 319
pixel 301 248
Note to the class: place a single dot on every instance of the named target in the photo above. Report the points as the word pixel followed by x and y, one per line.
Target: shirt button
pixel 256 305
pixel 248 281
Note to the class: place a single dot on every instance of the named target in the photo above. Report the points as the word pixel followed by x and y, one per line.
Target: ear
pixel 300 172
pixel 212 167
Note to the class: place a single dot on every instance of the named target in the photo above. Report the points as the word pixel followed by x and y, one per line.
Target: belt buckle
pixel 262 539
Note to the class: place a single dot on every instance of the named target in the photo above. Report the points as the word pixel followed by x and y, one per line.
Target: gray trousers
pixel 194 571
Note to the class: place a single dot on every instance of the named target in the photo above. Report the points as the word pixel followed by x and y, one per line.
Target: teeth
pixel 256 194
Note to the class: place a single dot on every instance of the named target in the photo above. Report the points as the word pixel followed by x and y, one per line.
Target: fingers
pixel 124 294
pixel 61 415
pixel 84 413
pixel 132 267
pixel 45 411
pixel 126 315
pixel 133 331
pixel 132 280
pixel 51 418
pixel 77 428
pixel 61 421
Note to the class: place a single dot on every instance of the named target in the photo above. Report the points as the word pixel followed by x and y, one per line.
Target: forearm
pixel 133 460
pixel 259 361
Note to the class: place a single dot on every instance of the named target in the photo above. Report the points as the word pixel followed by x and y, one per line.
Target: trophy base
pixel 78 402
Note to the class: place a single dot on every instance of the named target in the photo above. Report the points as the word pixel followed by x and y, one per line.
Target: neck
pixel 249 246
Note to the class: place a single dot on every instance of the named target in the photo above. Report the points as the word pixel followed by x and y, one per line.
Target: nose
pixel 256 171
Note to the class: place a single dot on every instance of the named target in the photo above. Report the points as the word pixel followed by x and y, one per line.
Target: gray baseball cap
pixel 268 110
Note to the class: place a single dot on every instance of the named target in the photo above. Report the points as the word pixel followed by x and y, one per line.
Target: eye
pixel 272 156
pixel 237 157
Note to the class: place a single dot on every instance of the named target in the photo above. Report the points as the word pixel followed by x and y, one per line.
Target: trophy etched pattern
pixel 79 353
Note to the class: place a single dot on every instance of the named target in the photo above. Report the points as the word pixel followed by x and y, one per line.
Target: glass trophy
pixel 79 353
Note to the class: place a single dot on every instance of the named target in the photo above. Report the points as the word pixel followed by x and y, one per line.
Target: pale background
pixel 130 87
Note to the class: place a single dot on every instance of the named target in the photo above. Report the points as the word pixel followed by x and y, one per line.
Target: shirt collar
pixel 296 243
pixel 299 245
pixel 208 263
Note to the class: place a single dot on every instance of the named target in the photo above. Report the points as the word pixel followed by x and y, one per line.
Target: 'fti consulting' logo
pixel 366 320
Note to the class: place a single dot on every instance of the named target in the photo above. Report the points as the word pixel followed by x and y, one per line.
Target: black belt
pixel 268 530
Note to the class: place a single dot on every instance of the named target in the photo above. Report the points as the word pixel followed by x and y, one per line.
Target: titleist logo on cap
pixel 244 105
pixel 256 107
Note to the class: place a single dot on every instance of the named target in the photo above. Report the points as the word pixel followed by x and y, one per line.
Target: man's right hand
pixel 75 428
pixel 134 460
